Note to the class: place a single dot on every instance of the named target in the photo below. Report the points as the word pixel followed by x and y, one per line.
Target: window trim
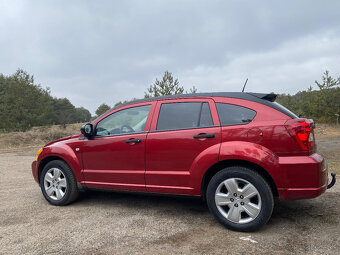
pixel 186 101
pixel 228 125
pixel 200 114
pixel 166 130
pixel 139 133
pixel 151 111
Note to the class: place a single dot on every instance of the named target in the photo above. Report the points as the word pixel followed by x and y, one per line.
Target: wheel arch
pixel 236 162
pixel 45 161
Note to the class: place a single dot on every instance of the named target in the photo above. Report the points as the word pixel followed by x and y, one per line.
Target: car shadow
pixel 300 212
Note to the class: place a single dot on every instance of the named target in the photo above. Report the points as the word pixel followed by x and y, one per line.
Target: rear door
pixel 181 129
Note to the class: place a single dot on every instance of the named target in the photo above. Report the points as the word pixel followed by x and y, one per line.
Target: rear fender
pixel 254 153
pixel 201 164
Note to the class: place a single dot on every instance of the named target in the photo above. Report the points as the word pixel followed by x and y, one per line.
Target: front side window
pixel 127 121
pixel 184 115
pixel 230 114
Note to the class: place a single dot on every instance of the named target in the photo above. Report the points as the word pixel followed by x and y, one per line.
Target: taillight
pixel 302 131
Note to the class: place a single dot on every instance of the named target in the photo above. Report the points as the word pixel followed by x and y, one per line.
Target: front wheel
pixel 240 199
pixel 58 184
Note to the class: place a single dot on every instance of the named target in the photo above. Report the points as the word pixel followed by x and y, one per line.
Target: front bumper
pixel 35 172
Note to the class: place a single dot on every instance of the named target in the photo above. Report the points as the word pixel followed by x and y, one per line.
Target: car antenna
pixel 245 85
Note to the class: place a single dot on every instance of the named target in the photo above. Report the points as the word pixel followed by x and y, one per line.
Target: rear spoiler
pixel 269 97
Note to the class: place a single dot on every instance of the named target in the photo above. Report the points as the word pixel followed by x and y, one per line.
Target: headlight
pixel 38 153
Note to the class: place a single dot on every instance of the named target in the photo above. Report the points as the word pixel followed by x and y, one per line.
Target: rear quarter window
pixel 230 114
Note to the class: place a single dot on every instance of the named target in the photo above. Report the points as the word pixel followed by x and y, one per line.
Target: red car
pixel 236 150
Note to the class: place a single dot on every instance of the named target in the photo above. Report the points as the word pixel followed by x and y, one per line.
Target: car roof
pixel 256 97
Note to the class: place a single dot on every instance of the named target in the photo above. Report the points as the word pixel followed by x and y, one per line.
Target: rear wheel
pixel 58 184
pixel 240 199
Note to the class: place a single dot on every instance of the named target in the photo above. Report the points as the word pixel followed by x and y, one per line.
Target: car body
pixel 178 144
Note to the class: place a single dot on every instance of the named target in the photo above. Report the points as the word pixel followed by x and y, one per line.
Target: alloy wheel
pixel 238 200
pixel 55 183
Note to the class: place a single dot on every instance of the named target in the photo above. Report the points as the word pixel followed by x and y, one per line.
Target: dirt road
pixel 116 223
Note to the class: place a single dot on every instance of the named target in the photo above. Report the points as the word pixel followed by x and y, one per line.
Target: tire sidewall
pixel 259 183
pixel 66 172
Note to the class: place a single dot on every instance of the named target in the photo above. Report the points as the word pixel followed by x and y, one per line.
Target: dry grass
pixel 333 167
pixel 328 145
pixel 37 136
pixel 325 130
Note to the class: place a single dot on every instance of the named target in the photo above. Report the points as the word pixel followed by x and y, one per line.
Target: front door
pixel 115 157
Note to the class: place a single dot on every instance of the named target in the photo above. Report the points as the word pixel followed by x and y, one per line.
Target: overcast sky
pixel 106 51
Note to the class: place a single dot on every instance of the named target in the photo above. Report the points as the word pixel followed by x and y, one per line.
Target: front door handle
pixel 204 136
pixel 134 141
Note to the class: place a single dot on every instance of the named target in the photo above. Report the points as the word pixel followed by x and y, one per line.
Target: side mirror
pixel 87 130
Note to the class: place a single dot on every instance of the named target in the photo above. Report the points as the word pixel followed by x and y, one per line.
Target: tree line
pixel 321 105
pixel 24 104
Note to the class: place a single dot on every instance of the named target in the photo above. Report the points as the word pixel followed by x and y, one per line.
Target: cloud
pixel 287 69
pixel 107 51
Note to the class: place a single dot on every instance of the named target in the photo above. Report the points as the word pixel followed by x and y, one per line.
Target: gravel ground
pixel 129 223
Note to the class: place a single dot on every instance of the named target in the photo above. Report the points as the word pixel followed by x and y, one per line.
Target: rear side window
pixel 174 116
pixel 230 114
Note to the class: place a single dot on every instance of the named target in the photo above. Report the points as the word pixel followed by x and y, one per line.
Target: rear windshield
pixel 283 109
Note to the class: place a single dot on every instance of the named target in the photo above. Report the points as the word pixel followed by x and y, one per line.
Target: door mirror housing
pixel 87 130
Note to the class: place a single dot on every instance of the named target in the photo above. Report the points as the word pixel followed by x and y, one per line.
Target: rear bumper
pixel 302 193
pixel 35 170
pixel 305 177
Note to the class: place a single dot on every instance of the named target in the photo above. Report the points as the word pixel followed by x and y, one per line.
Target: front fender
pixel 66 153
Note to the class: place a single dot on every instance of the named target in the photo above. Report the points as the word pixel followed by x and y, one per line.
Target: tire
pixel 58 184
pixel 240 199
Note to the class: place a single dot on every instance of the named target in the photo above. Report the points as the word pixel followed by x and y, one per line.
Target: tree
pixel 167 86
pixel 124 102
pixel 192 90
pixel 23 103
pixel 327 81
pixel 63 111
pixel 82 115
pixel 326 101
pixel 102 109
pixel 119 103
pixel 320 105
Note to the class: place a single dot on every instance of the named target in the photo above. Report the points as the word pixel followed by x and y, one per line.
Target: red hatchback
pixel 236 150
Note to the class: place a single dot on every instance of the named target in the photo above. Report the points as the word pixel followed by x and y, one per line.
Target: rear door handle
pixel 134 141
pixel 204 136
